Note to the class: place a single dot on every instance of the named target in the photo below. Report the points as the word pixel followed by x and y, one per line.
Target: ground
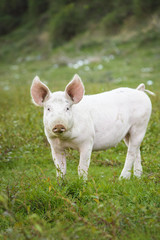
pixel 33 204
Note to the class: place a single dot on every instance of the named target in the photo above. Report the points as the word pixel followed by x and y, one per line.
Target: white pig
pixel 93 122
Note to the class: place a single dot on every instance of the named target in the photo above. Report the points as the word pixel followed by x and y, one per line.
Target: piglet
pixel 93 122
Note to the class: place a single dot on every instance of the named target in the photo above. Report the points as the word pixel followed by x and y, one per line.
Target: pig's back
pixel 113 113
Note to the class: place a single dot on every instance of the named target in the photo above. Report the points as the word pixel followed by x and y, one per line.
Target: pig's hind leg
pixel 133 140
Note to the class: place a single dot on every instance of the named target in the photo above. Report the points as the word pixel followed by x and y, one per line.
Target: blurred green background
pixel 67 18
pixel 109 44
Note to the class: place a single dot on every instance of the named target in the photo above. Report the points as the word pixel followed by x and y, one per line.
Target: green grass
pixel 33 205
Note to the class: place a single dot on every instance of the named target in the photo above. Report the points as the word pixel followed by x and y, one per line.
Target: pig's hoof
pixel 125 175
pixel 137 173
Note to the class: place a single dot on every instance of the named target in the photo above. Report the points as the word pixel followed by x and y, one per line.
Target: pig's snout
pixel 59 128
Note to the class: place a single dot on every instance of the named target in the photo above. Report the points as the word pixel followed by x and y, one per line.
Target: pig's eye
pixel 48 109
pixel 67 108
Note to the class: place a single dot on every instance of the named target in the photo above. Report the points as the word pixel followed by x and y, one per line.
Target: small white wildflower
pixel 29 58
pixel 55 66
pixel 146 69
pixel 14 67
pixel 80 63
pixel 149 82
pixel 86 61
pixel 111 57
pixel 16 76
pixel 70 65
pixel 87 68
pixel 118 79
pixel 75 66
pixel 6 88
pixel 100 67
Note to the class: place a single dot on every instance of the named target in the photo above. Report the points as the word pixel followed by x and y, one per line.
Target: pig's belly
pixel 110 133
pixel 105 140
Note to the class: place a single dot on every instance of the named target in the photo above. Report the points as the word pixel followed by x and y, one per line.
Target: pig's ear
pixel 75 89
pixel 39 92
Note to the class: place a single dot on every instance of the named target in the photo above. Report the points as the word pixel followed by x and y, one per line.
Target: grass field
pixel 32 204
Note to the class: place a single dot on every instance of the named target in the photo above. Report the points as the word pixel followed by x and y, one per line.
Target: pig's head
pixel 58 117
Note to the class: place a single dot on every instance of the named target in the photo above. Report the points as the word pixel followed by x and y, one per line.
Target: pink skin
pixel 93 122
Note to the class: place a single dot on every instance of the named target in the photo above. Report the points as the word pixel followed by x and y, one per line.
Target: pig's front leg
pixel 85 155
pixel 59 159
